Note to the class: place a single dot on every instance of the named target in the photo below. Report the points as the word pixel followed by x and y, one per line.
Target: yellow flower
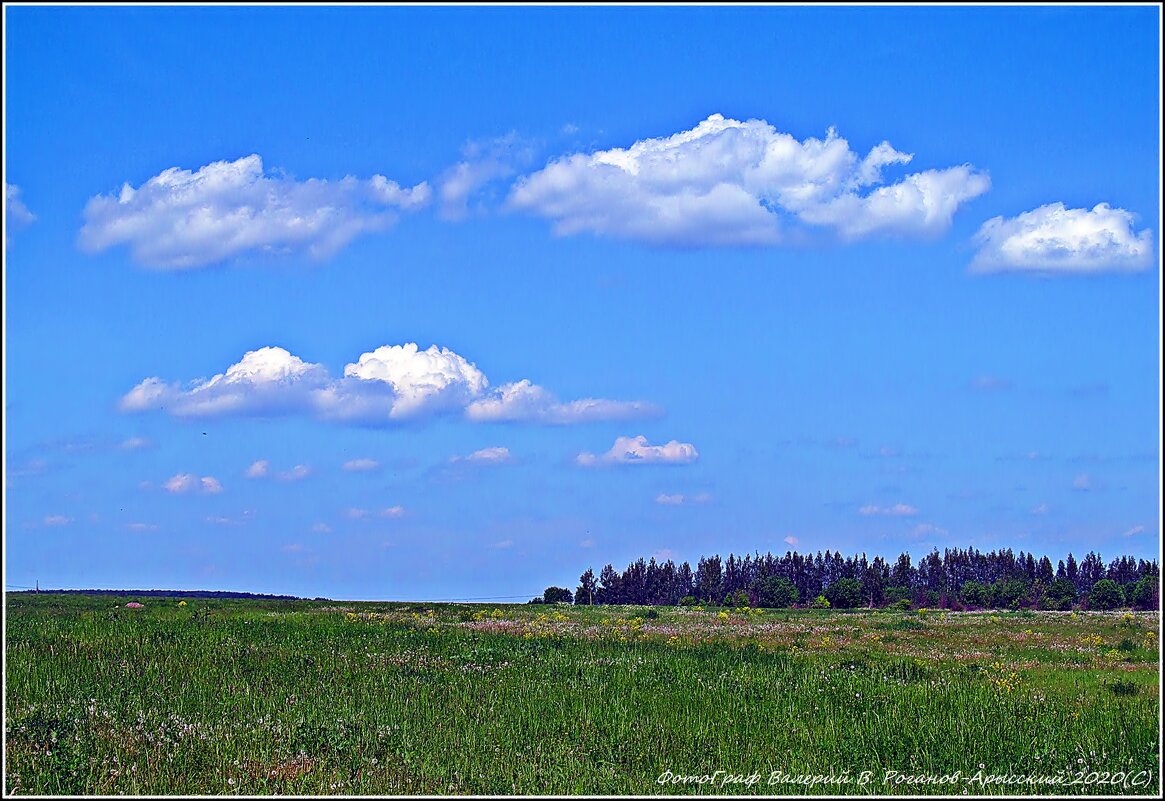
pixel 181 603
pixel 722 615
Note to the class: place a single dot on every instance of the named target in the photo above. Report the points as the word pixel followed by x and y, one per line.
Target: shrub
pixel 1106 594
pixel 901 605
pixel 820 602
pixel 688 600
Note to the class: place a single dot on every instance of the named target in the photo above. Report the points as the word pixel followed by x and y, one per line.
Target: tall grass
pixel 262 697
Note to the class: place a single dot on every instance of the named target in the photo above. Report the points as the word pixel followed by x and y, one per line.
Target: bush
pixel 776 592
pixel 901 605
pixel 738 598
pixel 1106 594
pixel 688 600
pixel 844 594
pixel 820 602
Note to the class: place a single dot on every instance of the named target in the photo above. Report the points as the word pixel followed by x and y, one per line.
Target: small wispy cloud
pixel 990 383
pixel 297 473
pixel 1135 530
pixel 183 483
pixel 258 469
pixel 57 520
pixel 897 510
pixel 361 465
pixel 135 443
pixel 141 527
pixel 1041 509
pixel 502 544
pixel 496 455
pixel 1082 482
pixel 321 528
pixel 679 499
pixel 792 541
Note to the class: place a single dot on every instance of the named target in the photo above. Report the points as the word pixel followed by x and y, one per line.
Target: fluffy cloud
pixel 391 384
pixel 188 482
pixel 1054 239
pixel 266 381
pixel 792 541
pixel 361 465
pixel 258 469
pixel 181 219
pixel 16 214
pixel 727 182
pixel 636 450
pixel 897 510
pixel 1082 482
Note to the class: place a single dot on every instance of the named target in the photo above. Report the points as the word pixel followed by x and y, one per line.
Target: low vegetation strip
pixel 303 697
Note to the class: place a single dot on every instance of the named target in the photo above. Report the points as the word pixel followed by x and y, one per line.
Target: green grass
pixel 264 697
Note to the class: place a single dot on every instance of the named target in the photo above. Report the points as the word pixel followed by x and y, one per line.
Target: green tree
pixel 844 594
pixel 557 595
pixel 775 592
pixel 1146 593
pixel 1061 594
pixel 1106 594
pixel 975 593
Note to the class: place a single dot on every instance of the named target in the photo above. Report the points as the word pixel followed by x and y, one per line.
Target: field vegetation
pixel 286 697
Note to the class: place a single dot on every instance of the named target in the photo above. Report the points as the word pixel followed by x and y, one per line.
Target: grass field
pixel 263 697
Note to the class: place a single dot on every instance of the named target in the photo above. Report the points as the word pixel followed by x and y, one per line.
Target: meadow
pixel 322 697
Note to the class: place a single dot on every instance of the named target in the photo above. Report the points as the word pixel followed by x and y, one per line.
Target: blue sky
pixel 457 302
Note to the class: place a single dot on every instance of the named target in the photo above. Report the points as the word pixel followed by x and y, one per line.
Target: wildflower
pixel 181 603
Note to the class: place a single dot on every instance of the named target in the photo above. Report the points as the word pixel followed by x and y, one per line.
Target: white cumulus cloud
pixel 258 469
pixel 1055 239
pixel 727 182
pixel 181 219
pixel 636 450
pixel 391 384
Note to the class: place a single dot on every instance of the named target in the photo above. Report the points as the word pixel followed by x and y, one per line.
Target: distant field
pixel 274 697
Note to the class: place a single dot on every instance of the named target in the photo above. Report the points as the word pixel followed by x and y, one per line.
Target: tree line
pixel 954 579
